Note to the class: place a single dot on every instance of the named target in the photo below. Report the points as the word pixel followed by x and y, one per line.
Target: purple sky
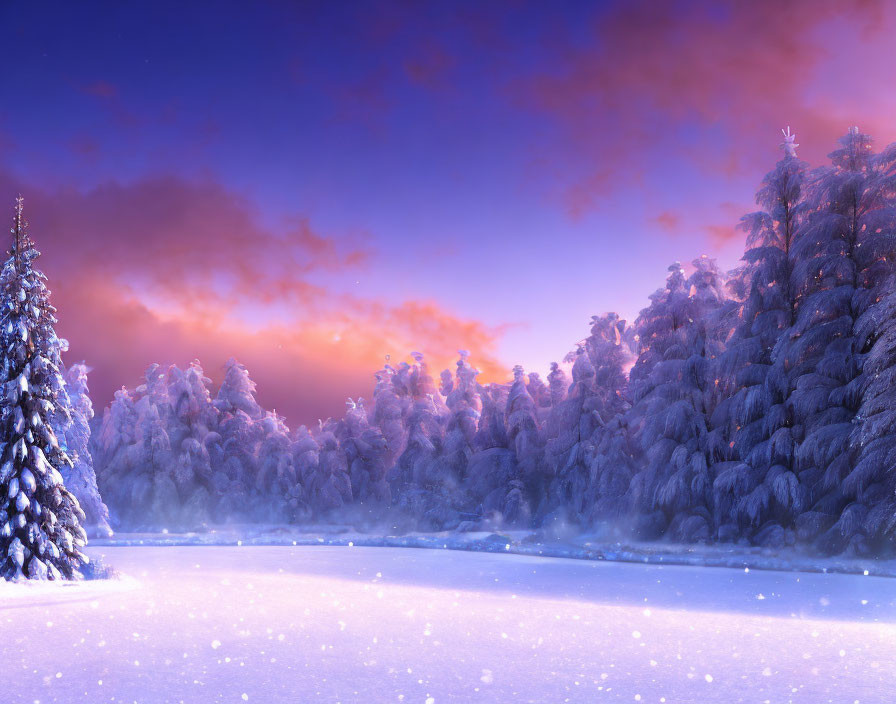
pixel 310 186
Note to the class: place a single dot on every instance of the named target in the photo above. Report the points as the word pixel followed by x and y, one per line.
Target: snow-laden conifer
pixel 673 387
pixel 40 532
pixel 844 221
pixel 762 486
pixel 80 478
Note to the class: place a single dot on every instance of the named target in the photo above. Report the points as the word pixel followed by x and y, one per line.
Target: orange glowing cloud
pixel 164 270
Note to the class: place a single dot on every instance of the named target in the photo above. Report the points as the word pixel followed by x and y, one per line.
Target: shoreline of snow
pixel 517 543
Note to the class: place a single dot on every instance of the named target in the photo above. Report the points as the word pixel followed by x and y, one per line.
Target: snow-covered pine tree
pixel 596 397
pixel 112 448
pixel 761 491
pixel 330 487
pixel 422 491
pixel 280 492
pixel 871 484
pixel 306 460
pixel 610 453
pixel 366 451
pixel 521 420
pixel 486 476
pixel 391 404
pixel 192 417
pixel 464 404
pixel 491 431
pixel 868 518
pixel 40 532
pixel 237 392
pixel 672 387
pixel 848 227
pixel 571 424
pixel 558 383
pixel 233 450
pixel 80 479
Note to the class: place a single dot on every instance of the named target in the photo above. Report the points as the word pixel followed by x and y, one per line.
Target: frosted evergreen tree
pixel 234 450
pixel 159 474
pixel 574 421
pixel 330 486
pixel 366 451
pixel 193 418
pixel 672 388
pixel 866 517
pixel 659 332
pixel 762 490
pixel 134 457
pixel 80 479
pixel 491 431
pixel 422 490
pixel 112 448
pixel 40 532
pixel 607 469
pixel 613 459
pixel 522 428
pixel 869 520
pixel 595 397
pixel 492 484
pixel 849 217
pixel 464 403
pixel 306 459
pixel 524 439
pixel 558 384
pixel 391 403
pixel 237 392
pixel 280 491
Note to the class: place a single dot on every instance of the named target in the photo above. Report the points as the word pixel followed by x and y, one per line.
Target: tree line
pixel 752 405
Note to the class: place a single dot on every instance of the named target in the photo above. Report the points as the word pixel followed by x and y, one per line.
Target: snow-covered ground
pixel 355 624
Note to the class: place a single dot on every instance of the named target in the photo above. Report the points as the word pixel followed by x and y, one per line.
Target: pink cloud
pixel 668 220
pixel 160 269
pixel 737 70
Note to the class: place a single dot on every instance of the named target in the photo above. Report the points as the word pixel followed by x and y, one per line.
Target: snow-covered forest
pixel 753 405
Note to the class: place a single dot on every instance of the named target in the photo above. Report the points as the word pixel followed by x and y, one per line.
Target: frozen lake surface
pixel 351 624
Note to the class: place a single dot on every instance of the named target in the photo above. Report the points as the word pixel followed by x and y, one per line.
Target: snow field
pixel 339 624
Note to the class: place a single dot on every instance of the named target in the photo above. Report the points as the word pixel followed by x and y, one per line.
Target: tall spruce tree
pixel 761 491
pixel 673 388
pixel 846 220
pixel 40 532
pixel 868 518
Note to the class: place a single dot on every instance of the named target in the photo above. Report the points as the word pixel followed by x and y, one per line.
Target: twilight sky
pixel 309 186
